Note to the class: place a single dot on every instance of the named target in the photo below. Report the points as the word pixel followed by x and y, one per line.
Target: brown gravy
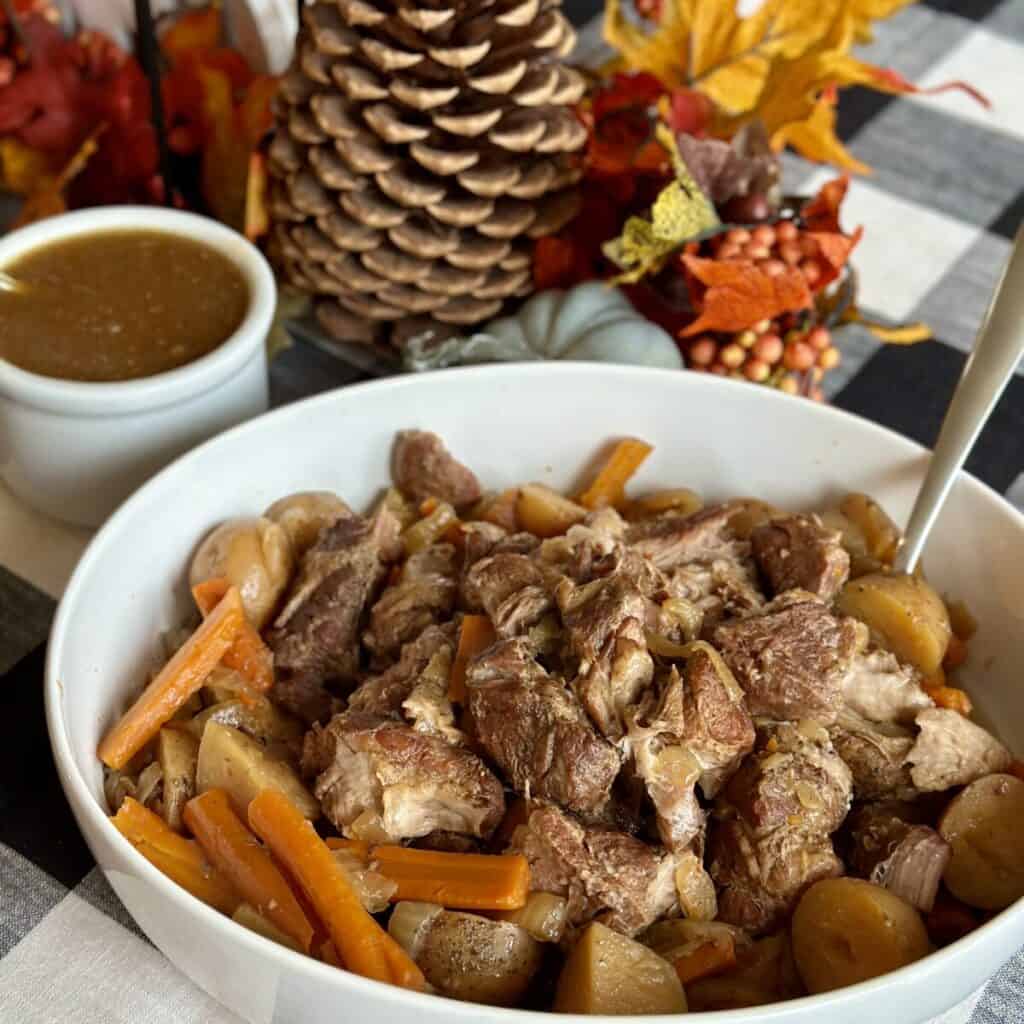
pixel 117 305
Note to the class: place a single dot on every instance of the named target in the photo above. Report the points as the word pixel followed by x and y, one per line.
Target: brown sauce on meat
pixel 118 305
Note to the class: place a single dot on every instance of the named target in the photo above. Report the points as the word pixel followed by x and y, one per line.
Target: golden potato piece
pixel 750 513
pixel 881 535
pixel 904 613
pixel 609 973
pixel 303 515
pixel 984 826
pixel 177 752
pixel 255 555
pixel 847 930
pixel 545 512
pixel 764 973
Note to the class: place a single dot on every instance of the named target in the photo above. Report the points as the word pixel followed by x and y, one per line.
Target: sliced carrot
pixel 235 852
pixel 707 959
pixel 476 635
pixel 357 847
pixel 361 943
pixel 956 653
pixel 950 697
pixel 609 486
pixel 463 881
pixel 179 858
pixel 181 677
pixel 248 655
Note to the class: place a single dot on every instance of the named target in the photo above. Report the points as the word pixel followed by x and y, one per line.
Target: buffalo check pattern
pixel 940 212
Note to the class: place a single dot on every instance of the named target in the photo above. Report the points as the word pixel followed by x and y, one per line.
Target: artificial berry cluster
pixel 790 352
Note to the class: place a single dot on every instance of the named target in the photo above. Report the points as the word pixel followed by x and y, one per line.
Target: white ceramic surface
pixel 511 424
pixel 75 449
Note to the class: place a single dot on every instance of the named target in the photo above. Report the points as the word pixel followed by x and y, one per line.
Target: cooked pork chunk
pixel 604 628
pixel 383 694
pixel 952 751
pixel 790 658
pixel 316 636
pixel 674 540
pixel 798 553
pixel 377 778
pixel 905 857
pixel 511 589
pixel 478 540
pixel 627 882
pixel 536 732
pixel 876 754
pixel 770 839
pixel 427 708
pixel 422 467
pixel 878 688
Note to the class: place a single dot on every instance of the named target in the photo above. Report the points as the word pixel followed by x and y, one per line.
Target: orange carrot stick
pixel 609 486
pixel 248 655
pixel 179 858
pixel 360 941
pixel 707 959
pixel 234 851
pixel 476 635
pixel 182 676
pixel 357 847
pixel 949 697
pixel 465 881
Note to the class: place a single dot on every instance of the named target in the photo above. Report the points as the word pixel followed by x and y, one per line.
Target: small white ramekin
pixel 75 449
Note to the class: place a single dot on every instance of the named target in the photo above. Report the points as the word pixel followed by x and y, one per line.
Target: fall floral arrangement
pixel 658 172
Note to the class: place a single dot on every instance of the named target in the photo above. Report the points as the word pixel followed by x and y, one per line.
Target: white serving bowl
pixel 510 424
pixel 76 449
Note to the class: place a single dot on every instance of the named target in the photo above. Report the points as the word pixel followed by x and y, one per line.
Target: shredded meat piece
pixel 535 731
pixel 953 751
pixel 771 837
pixel 511 589
pixel 378 778
pixel 479 540
pixel 877 687
pixel 790 658
pixel 721 589
pixel 627 882
pixel 384 694
pixel 604 627
pixel 673 540
pixel 422 467
pixel 876 753
pixel 424 595
pixel 315 638
pixel 904 857
pixel 799 553
pixel 427 707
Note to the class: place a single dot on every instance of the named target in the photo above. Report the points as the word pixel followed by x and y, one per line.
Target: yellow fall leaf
pixel 47 199
pixel 21 167
pixel 905 334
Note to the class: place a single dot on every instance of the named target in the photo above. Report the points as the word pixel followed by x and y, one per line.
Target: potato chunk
pixel 904 613
pixel 303 515
pixel 984 826
pixel 177 751
pixel 545 512
pixel 847 930
pixel 609 973
pixel 236 763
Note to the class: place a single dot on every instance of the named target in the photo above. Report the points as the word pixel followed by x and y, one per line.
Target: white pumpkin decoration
pixel 591 322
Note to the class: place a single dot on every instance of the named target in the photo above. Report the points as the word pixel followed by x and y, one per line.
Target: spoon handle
pixel 997 350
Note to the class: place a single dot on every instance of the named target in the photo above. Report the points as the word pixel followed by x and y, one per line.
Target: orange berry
pixel 728 251
pixel 768 348
pixel 763 325
pixel 829 358
pixel 745 339
pixel 817 395
pixel 756 370
pixel 719 370
pixel 764 234
pixel 808 246
pixel 819 339
pixel 787 231
pixel 789 385
pixel 773 268
pixel 790 252
pixel 757 252
pixel 738 236
pixel 703 351
pixel 798 356
pixel 811 272
pixel 731 355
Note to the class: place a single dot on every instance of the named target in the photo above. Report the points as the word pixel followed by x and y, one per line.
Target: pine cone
pixel 419 150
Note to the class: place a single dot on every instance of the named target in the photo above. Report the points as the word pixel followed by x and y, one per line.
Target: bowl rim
pixel 83 802
pixel 113 398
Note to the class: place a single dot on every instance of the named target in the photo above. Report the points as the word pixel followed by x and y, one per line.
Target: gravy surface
pixel 118 305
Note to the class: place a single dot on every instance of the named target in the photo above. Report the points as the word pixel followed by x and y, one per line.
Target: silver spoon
pixel 997 350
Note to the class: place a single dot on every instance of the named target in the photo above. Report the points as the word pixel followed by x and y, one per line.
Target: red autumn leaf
pixel 732 295
pixel 555 262
pixel 822 212
pixel 638 89
pixel 255 116
pixel 834 250
pixel 893 81
pixel 688 112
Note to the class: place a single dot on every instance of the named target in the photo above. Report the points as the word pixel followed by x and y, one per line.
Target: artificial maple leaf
pixel 194 31
pixel 821 212
pixel 21 167
pixel 48 198
pixel 730 295
pixel 725 169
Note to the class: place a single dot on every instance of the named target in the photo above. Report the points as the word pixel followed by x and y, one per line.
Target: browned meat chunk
pixel 316 636
pixel 720 589
pixel 798 553
pixel 662 761
pixel 673 540
pixel 379 779
pixel 511 589
pixel 790 659
pixel 953 751
pixel 383 694
pixel 719 731
pixel 598 871
pixel 424 595
pixel 535 731
pixel 427 708
pixel 423 468
pixel 479 540
pixel 876 754
pixel 771 837
pixel 904 857
pixel 604 625
pixel 877 687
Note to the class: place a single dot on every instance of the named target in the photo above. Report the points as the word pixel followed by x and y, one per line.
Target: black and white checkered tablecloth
pixel 939 211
